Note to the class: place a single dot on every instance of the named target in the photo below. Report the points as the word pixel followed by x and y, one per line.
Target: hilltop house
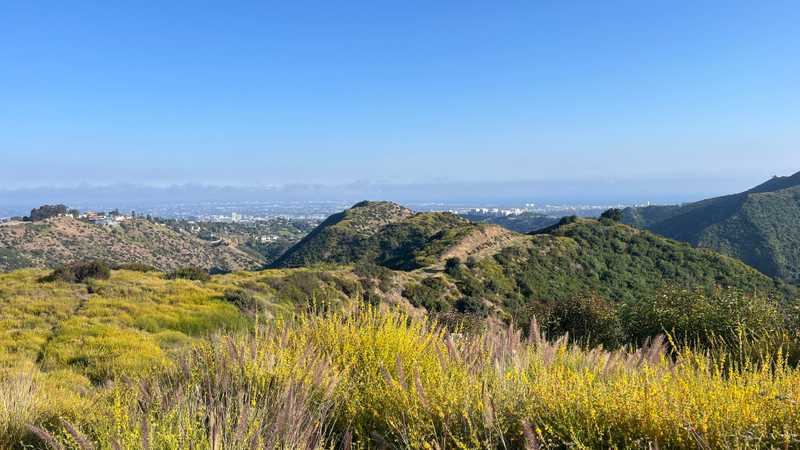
pixel 102 218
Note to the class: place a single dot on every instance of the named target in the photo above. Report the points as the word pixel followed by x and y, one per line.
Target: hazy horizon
pixel 505 194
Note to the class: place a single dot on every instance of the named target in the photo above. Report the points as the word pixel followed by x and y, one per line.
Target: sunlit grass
pixel 370 378
pixel 138 360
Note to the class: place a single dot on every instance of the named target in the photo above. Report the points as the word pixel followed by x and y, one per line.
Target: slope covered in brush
pixel 337 238
pixel 604 263
pixel 447 265
pixel 521 223
pixel 62 240
pixel 379 232
pixel 758 226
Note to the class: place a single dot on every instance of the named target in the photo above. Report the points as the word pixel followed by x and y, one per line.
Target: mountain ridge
pixel 575 257
pixel 759 225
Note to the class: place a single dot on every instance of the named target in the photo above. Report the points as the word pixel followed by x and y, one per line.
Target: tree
pixel 452 266
pixel 47 211
pixel 614 214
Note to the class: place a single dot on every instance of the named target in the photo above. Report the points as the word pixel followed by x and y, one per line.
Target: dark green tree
pixel 614 214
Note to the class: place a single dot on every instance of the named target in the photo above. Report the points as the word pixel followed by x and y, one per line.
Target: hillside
pixel 235 354
pixel 117 357
pixel 494 271
pixel 378 231
pixel 758 226
pixel 521 223
pixel 60 240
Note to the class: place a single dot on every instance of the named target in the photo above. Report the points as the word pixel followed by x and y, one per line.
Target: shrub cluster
pixel 135 267
pixel 242 299
pixel 188 273
pixel 79 272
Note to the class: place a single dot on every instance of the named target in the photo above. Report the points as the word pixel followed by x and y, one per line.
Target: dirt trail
pixel 483 242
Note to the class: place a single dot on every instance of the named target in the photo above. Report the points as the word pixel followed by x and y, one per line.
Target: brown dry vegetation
pixel 63 239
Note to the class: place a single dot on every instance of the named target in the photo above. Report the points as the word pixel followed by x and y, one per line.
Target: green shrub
pixel 79 272
pixel 613 214
pixel 472 305
pixel 188 273
pixel 430 294
pixel 589 320
pixel 702 317
pixel 135 267
pixel 453 266
pixel 243 300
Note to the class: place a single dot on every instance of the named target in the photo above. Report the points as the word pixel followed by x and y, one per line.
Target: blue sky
pixel 263 93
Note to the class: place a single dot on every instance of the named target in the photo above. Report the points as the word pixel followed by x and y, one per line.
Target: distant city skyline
pixel 275 93
pixel 425 195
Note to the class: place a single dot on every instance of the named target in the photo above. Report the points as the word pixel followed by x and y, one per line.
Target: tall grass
pixel 371 379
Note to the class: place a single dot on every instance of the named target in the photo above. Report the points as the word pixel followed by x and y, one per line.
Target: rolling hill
pixel 486 268
pixel 60 240
pixel 99 360
pixel 760 226
pixel 521 223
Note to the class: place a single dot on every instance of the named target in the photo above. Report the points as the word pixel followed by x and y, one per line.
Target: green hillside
pixel 463 268
pixel 380 232
pixel 758 226
pixel 521 223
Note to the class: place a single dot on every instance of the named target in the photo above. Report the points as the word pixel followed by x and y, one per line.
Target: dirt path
pixel 485 241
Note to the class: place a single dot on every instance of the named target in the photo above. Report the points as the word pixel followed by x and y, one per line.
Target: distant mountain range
pixel 760 226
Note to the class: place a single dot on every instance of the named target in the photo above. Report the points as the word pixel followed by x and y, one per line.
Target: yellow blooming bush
pixel 361 379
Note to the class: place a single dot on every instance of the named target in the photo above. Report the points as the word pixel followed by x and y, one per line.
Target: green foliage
pixel 452 266
pixel 12 259
pixel 471 305
pixel 79 272
pixel 577 279
pixel 315 289
pixel 613 214
pixel 588 320
pixel 758 226
pixel 135 267
pixel 431 294
pixel 242 299
pixel 341 237
pixel 521 223
pixel 188 273
pixel 381 233
pixel 47 211
pixel 700 316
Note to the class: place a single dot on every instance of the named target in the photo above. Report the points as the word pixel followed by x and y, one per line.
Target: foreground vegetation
pixel 369 379
pixel 365 357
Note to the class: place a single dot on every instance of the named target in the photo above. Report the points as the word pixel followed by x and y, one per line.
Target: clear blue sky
pixel 332 92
